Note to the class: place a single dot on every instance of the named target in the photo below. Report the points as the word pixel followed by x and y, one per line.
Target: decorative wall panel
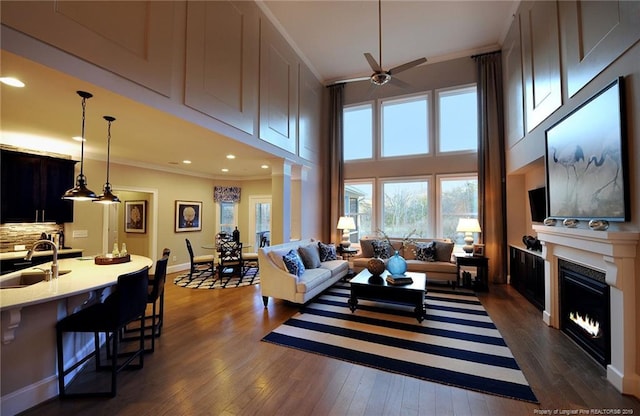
pixel 541 61
pixel 132 39
pixel 278 89
pixel 309 130
pixel 596 33
pixel 221 78
pixel 512 74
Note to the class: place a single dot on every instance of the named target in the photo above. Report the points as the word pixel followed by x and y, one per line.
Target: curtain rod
pixel 484 54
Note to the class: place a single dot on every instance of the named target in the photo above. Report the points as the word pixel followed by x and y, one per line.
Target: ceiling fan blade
pixel 372 62
pixel 345 80
pixel 406 66
pixel 399 83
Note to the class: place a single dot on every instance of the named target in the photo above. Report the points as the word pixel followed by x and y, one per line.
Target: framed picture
pixel 478 250
pixel 135 216
pixel 188 216
pixel 586 160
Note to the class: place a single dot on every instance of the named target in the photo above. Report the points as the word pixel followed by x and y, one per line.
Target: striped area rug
pixel 457 344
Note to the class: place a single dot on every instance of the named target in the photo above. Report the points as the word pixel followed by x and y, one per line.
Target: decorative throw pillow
pixel 381 249
pixel 327 252
pixel 443 250
pixel 366 248
pixel 426 251
pixel 310 256
pixel 293 263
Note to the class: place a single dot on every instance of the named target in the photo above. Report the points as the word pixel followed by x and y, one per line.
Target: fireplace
pixel 585 309
pixel 612 252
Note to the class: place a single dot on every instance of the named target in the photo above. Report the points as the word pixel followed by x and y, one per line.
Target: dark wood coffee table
pixel 366 286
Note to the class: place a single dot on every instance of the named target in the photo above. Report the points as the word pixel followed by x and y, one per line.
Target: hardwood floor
pixel 210 361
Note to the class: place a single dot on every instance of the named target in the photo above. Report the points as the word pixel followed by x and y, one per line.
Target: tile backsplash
pixel 24 234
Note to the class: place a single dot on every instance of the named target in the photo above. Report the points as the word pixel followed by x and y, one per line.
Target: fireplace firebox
pixel 585 309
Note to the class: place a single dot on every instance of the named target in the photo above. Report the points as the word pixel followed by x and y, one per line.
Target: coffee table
pixel 366 286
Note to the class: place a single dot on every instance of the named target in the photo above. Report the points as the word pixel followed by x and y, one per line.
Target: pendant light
pixel 81 192
pixel 107 197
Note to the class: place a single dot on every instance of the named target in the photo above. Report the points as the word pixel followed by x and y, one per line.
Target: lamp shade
pixel 346 223
pixel 468 225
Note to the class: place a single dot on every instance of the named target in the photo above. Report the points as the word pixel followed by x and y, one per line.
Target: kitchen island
pixel 29 315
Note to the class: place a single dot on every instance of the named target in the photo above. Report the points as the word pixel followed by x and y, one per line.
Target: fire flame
pixel 591 326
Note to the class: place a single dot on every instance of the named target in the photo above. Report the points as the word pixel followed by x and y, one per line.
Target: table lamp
pixel 346 224
pixel 468 226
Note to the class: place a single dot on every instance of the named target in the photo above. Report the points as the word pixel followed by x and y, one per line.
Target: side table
pixel 481 263
pixel 346 254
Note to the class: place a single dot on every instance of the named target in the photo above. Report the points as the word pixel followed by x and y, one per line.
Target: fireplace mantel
pixel 614 253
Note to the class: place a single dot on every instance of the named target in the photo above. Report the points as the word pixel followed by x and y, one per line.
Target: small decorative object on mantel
pixel 570 222
pixel 550 222
pixel 104 260
pixel 376 266
pixel 598 225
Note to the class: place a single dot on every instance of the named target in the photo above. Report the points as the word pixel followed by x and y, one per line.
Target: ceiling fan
pixel 380 76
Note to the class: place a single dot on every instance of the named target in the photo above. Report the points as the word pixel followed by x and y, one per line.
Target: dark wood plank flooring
pixel 210 361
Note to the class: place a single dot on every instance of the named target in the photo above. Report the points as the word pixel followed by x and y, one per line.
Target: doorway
pixel 259 217
pixel 113 219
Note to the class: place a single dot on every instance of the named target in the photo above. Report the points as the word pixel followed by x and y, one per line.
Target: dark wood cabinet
pixel 32 188
pixel 527 275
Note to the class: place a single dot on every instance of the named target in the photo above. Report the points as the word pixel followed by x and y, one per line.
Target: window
pixel 358 132
pixel 458 199
pixel 457 119
pixel 405 126
pixel 227 213
pixel 405 208
pixel 359 205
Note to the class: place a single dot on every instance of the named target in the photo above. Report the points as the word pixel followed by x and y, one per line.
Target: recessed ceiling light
pixel 231 156
pixel 224 170
pixel 14 82
pixel 265 166
pixel 79 139
pixel 186 162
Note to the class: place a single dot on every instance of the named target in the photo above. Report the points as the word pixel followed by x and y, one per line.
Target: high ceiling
pixel 330 36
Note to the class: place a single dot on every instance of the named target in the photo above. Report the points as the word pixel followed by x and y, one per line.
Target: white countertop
pixel 10 255
pixel 85 276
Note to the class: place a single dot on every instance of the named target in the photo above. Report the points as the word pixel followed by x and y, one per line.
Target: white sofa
pixel 277 282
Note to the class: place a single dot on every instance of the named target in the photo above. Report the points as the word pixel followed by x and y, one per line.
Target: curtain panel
pixel 491 163
pixel 335 160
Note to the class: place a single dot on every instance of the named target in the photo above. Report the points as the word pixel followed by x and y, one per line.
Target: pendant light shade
pixel 81 192
pixel 107 197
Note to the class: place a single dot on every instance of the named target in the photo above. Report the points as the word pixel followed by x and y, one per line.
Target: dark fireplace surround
pixel 584 309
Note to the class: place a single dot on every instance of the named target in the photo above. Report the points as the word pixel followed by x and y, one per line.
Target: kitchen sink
pixel 27 278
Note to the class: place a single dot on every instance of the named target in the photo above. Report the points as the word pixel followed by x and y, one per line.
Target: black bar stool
pixel 126 304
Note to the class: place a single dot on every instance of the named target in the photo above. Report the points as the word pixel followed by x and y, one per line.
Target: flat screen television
pixel 538 204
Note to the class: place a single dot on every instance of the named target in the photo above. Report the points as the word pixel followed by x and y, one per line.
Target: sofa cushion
pixel 426 251
pixel 443 251
pixel 336 267
pixel 431 267
pixel 327 252
pixel 311 279
pixel 293 263
pixel 310 255
pixel 276 256
pixel 381 249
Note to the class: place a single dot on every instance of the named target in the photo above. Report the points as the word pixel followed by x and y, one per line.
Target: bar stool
pixel 126 304
pixel 156 299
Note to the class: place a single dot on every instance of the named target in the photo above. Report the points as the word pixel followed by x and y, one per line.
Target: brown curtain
pixel 335 160
pixel 491 164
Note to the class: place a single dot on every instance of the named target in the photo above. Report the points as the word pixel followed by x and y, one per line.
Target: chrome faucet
pixel 54 264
